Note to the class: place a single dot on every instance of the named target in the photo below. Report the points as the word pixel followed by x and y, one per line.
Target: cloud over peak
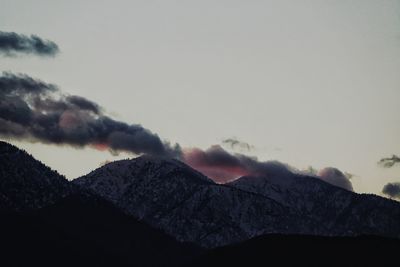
pixel 335 177
pixel 12 43
pixel 222 166
pixel 392 190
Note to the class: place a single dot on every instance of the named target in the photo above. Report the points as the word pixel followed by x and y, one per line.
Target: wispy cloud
pixel 234 143
pixel 389 162
pixel 12 43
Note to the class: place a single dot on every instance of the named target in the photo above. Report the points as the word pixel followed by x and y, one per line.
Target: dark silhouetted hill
pixel 300 250
pixel 81 230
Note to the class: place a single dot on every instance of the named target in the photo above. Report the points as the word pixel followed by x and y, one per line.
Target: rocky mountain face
pixel 336 210
pixel 171 196
pixel 26 183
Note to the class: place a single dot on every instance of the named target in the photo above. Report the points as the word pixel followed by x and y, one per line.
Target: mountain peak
pixel 26 183
pixel 145 173
pixel 160 167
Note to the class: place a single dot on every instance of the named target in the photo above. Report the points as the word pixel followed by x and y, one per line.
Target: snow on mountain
pixel 341 212
pixel 171 196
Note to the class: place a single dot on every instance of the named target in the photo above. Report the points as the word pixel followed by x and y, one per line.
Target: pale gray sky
pixel 317 79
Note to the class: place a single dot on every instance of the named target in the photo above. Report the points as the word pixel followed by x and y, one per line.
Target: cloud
pixel 331 175
pixel 389 162
pixel 222 166
pixel 335 177
pixel 12 43
pixel 392 190
pixel 34 110
pixel 350 175
pixel 309 171
pixel 234 143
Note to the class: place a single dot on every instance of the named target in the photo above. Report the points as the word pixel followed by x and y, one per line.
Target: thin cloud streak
pixel 389 162
pixel 234 143
pixel 12 43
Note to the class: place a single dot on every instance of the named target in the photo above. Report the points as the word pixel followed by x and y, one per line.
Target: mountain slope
pixel 171 196
pixel 340 211
pixel 26 183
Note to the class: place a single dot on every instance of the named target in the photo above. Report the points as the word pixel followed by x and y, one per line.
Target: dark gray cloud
pixel 83 103
pixel 23 84
pixel 31 109
pixel 12 44
pixel 392 190
pixel 234 143
pixel 223 166
pixel 389 162
pixel 336 177
pixel 331 175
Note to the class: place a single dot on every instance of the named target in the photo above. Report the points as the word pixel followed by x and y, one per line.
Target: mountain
pixel 26 183
pixel 48 221
pixel 302 250
pixel 150 211
pixel 173 197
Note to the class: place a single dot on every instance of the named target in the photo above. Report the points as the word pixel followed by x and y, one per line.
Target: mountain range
pixel 154 211
pixel 171 196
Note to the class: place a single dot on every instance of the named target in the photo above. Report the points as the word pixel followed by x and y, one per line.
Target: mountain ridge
pixel 236 211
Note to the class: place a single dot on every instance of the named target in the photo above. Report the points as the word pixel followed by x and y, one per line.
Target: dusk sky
pixel 307 83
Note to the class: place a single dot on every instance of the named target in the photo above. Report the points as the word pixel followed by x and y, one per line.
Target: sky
pixel 307 83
